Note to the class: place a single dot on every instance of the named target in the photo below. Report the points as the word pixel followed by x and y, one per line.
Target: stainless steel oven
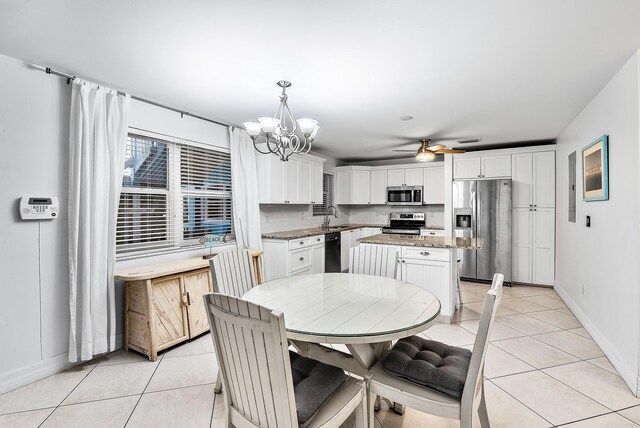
pixel 404 195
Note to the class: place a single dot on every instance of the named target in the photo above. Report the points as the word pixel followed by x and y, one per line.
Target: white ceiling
pixel 501 70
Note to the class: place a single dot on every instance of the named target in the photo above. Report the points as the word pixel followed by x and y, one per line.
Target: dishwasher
pixel 332 252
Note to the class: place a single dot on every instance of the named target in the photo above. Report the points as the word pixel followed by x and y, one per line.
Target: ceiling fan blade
pixel 403 150
pixel 436 147
pixel 450 151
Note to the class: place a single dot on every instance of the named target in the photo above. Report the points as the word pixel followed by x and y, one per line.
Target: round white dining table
pixel 363 312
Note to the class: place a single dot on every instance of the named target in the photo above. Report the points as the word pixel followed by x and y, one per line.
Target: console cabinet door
pixel 197 283
pixel 170 312
pixel 378 187
pixel 414 176
pixel 544 246
pixel 317 259
pixel 361 192
pixel 466 167
pixel 496 166
pixel 434 185
pixel 544 179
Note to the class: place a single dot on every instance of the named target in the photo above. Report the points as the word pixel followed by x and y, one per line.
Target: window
pixel 172 194
pixel 327 195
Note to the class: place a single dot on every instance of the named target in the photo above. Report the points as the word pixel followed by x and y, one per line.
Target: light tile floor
pixel 542 369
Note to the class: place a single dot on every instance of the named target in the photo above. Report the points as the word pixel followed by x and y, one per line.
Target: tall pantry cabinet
pixel 534 207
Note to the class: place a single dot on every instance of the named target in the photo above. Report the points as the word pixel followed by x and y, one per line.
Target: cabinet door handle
pixel 403 261
pixel 424 253
pixel 301 242
pixel 301 258
pixel 188 299
pixel 318 239
pixel 432 233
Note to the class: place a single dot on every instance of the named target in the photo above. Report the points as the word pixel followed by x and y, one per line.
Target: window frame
pixel 315 208
pixel 175 195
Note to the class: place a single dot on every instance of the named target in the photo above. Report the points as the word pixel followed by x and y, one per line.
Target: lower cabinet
pixel 282 257
pixel 533 242
pixel 164 311
pixel 430 269
pixel 348 240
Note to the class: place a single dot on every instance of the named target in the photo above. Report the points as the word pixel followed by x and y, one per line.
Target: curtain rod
pixel 70 77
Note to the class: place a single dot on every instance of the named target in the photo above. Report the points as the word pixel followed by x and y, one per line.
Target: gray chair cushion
pixel 313 384
pixel 429 363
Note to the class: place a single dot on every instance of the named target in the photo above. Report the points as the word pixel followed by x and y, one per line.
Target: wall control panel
pixel 45 208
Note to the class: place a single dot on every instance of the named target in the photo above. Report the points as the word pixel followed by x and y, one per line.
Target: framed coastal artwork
pixel 595 170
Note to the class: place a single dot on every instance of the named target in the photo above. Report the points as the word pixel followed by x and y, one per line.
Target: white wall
pixel 34 308
pixel 597 269
pixel 34 311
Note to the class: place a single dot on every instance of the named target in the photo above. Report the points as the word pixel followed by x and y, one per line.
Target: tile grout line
pixel 67 396
pixel 527 407
pixel 143 391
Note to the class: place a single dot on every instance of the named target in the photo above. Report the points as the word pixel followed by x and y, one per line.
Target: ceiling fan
pixel 427 153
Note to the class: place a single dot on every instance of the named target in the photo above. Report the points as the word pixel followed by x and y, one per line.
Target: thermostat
pixel 38 208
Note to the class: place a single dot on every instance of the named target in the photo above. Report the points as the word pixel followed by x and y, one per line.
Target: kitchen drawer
pixel 425 253
pixel 432 232
pixel 299 259
pixel 305 242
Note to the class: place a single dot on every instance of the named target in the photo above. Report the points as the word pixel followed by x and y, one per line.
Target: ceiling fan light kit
pixel 427 153
pixel 279 131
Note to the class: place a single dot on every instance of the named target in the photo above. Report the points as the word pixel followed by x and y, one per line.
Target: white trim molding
pixel 629 374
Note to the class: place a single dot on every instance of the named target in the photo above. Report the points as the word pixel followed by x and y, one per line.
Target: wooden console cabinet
pixel 163 303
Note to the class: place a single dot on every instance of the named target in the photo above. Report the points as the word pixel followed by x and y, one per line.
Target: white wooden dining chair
pixel 430 400
pixel 233 274
pixel 375 260
pixel 252 352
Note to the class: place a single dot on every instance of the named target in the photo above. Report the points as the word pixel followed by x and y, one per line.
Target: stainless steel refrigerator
pixel 482 209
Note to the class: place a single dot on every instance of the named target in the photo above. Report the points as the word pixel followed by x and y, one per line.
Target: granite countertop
pixel 425 241
pixel 313 231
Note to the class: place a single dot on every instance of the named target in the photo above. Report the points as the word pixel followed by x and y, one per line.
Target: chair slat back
pixel 476 366
pixel 374 260
pixel 232 272
pixel 253 357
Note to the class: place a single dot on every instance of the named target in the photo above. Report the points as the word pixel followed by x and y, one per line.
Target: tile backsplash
pixel 275 218
pixel 379 214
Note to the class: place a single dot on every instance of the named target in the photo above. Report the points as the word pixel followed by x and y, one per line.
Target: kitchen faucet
pixel 325 223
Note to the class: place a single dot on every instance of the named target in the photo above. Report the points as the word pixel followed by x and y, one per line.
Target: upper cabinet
pixel 297 181
pixel 534 180
pixel 379 186
pixel 405 177
pixel 434 185
pixel 489 166
pixel 353 185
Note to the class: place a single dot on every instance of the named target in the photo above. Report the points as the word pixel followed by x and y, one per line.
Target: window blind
pixel 327 195
pixel 172 194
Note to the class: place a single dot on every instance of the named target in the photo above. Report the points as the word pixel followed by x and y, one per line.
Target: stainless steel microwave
pixel 404 195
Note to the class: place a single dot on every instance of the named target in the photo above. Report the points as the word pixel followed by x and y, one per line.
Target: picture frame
pixel 595 170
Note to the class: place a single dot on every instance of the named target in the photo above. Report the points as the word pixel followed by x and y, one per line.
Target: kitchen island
pixel 429 262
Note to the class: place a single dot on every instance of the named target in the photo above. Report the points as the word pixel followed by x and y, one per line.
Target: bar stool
pixel 458 285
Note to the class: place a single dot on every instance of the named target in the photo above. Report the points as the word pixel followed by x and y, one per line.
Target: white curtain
pixel 244 186
pixel 97 142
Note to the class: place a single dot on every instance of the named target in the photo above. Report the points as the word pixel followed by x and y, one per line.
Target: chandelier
pixel 279 131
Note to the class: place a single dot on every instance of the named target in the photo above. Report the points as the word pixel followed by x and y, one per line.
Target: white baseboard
pixel 629 374
pixel 41 369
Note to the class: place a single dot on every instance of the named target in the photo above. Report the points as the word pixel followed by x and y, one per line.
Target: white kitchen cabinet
pixel 533 245
pixel 361 187
pixel 345 246
pixel 543 261
pixel 544 180
pixel 533 200
pixel 355 235
pixel 395 177
pixel 282 257
pixel 317 258
pixel 431 232
pixel 378 192
pixel 489 166
pixel 533 176
pixel 405 177
pixel 316 182
pixel 433 185
pixel 496 166
pixel 466 167
pixel 297 181
pixel 521 253
pixel 428 268
pixel 353 185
